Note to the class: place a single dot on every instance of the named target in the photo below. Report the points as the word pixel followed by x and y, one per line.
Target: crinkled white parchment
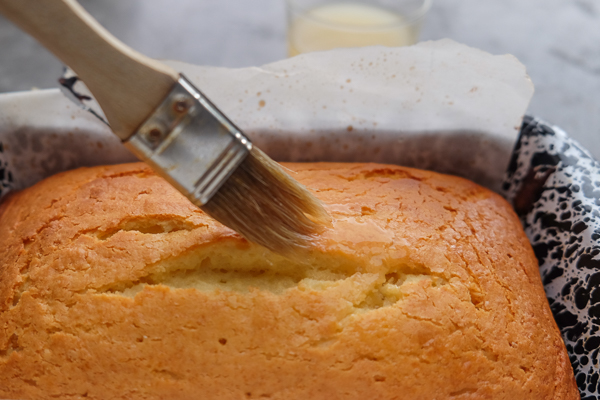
pixel 436 105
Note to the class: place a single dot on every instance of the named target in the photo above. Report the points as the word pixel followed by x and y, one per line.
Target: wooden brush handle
pixel 127 84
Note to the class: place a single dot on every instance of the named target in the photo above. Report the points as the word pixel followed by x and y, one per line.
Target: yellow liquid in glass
pixel 348 25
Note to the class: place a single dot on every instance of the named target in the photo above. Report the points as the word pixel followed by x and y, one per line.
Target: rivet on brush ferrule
pixel 190 143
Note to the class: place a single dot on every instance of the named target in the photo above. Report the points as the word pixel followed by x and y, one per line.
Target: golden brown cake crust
pixel 112 285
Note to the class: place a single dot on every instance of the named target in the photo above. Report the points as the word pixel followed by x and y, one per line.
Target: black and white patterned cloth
pixel 554 185
pixel 6 175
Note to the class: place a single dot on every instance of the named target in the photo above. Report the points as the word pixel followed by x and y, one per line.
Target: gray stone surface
pixel 558 41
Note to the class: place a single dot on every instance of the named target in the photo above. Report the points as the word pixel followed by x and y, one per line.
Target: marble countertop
pixel 557 40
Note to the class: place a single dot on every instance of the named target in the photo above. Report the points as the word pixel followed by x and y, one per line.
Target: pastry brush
pixel 168 123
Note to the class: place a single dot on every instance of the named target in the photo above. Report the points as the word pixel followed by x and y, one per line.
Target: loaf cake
pixel 114 286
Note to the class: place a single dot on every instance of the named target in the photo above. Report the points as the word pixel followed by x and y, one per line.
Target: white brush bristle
pixel 266 206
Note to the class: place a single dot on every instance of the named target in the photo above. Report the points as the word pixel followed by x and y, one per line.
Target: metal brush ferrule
pixel 190 143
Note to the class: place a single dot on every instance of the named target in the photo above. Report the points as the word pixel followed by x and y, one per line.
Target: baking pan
pixel 438 105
